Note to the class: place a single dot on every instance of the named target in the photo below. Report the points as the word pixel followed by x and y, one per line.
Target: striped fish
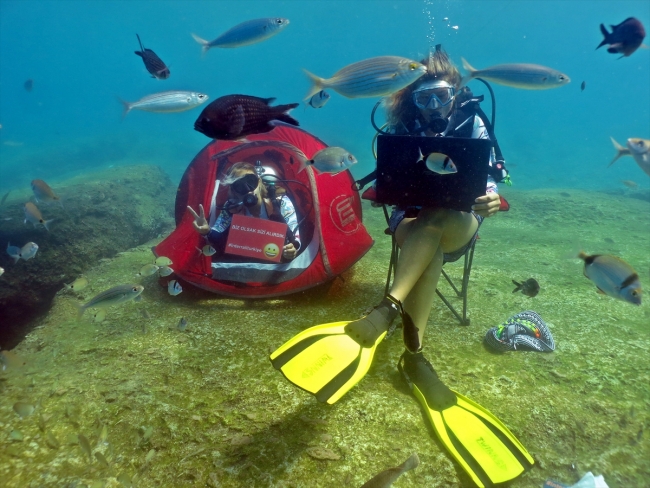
pixel 246 33
pixel 153 63
pixel 373 77
pixel 524 76
pixel 112 296
pixel 613 277
pixel 166 102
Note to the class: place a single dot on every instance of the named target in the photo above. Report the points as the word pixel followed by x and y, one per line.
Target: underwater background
pixel 205 400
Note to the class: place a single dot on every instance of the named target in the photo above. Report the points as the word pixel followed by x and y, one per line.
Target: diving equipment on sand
pixel 525 330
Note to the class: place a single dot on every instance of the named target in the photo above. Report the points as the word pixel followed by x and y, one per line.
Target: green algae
pixel 210 406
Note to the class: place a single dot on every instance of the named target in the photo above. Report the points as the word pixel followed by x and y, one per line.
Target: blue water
pixel 80 56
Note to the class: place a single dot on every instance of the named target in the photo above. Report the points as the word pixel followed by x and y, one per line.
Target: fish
pixel 625 37
pixel 2 271
pixel 166 102
pixel 372 77
pixel 148 270
pixel 153 63
pixel 582 86
pixel 236 116
pixel 174 288
pixel 102 459
pixel 530 287
pixel 84 444
pixel 613 277
pixel 165 271
pixel 638 148
pixel 23 409
pixel 44 193
pixel 28 251
pixel 319 100
pixel 11 360
pixel 112 296
pixel 29 85
pixel 78 284
pixel 99 316
pixel 207 250
pixel 4 197
pixel 438 163
pixel 246 33
pixel 387 477
pixel 330 160
pixel 182 324
pixel 163 261
pixel 33 215
pixel 518 75
pixel 630 184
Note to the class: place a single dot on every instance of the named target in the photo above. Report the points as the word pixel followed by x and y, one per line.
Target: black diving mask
pixel 246 184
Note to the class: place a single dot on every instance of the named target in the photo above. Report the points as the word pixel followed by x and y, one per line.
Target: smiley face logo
pixel 271 250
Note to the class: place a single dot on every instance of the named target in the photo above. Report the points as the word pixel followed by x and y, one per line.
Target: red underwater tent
pixel 333 236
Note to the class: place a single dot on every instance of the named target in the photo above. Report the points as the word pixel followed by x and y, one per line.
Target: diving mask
pixel 245 184
pixel 434 95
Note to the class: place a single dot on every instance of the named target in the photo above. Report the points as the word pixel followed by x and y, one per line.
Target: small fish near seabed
pixel 78 284
pixel 438 163
pixel 166 102
pixel 33 215
pixel 387 477
pixel 164 271
pixel 152 62
pixel 246 33
pixel 235 116
pixel 112 296
pixel 530 287
pixel 174 288
pixel 28 251
pixel 613 277
pixel 373 77
pixel 638 148
pixel 182 324
pixel 625 37
pixel 632 185
pixel 148 270
pixel 44 193
pixel 319 100
pixel 331 160
pixel 207 250
pixel 163 261
pixel 518 75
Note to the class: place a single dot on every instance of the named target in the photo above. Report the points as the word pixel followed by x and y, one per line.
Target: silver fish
pixel 163 261
pixel 387 477
pixel 33 215
pixel 28 251
pixel 207 250
pixel 319 100
pixel 330 160
pixel 518 75
pixel 174 288
pixel 165 271
pixel 246 33
pixel 112 296
pixel 166 102
pixel 44 193
pixel 78 284
pixel 613 277
pixel 439 163
pixel 638 148
pixel 148 270
pixel 373 77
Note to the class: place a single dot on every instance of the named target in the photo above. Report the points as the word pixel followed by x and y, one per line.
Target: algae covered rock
pixel 102 213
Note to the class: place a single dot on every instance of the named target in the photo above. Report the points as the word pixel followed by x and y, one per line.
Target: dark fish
pixel 153 63
pixel 29 84
pixel 530 287
pixel 582 86
pixel 236 116
pixel 4 197
pixel 625 37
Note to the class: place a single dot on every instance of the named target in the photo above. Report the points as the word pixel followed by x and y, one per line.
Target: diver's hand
pixel 200 223
pixel 289 252
pixel 487 205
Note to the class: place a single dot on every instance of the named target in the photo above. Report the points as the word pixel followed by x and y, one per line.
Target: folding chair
pixel 460 293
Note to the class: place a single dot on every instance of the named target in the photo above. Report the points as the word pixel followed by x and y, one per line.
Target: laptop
pixel 404 179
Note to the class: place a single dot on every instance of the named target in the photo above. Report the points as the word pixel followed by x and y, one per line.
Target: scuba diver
pixel 328 360
pixel 249 195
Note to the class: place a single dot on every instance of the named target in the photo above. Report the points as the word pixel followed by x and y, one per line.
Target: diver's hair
pixel 238 170
pixel 400 108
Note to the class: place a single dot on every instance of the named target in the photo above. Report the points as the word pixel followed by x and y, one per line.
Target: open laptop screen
pixel 403 177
